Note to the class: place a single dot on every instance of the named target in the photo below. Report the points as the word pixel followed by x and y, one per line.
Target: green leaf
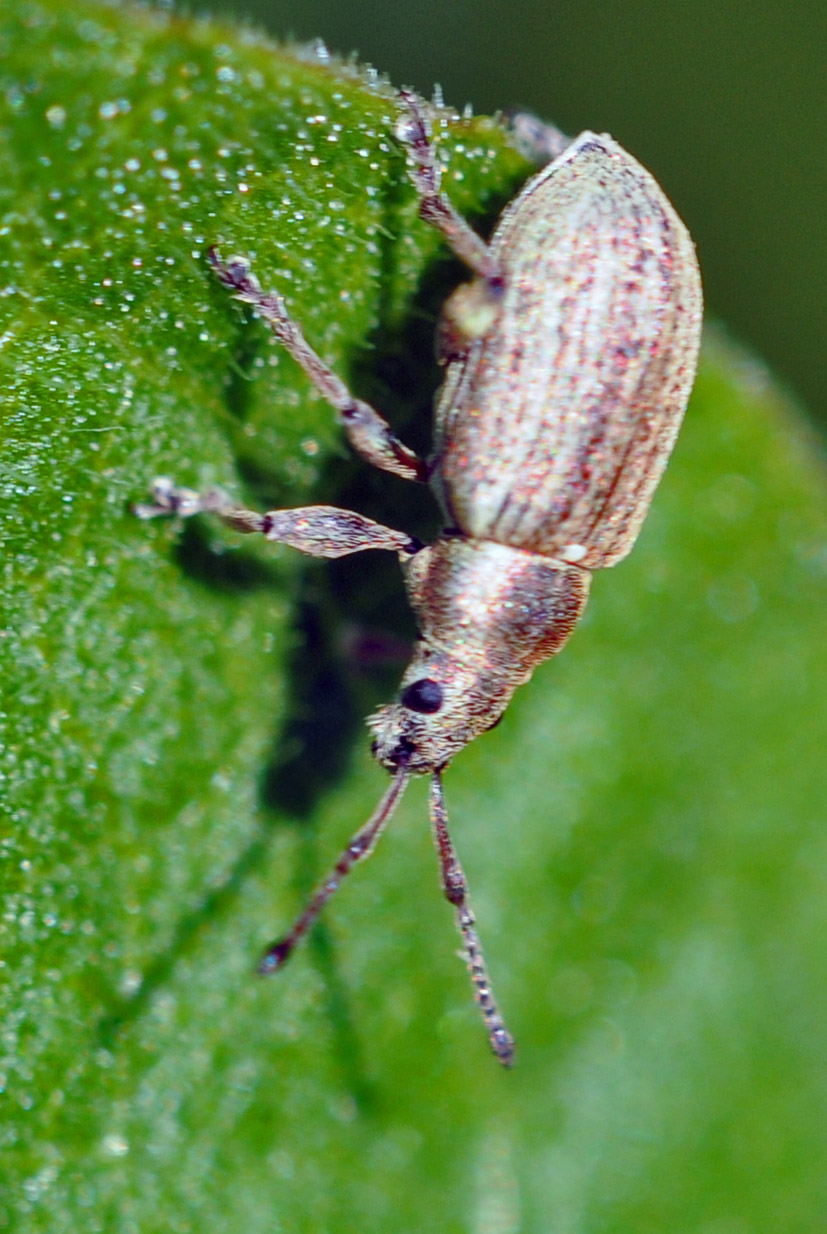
pixel 183 752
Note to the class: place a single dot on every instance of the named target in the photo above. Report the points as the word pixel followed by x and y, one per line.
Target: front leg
pixel 319 531
pixel 368 432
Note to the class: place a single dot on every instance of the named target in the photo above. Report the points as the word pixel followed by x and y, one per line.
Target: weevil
pixel 569 359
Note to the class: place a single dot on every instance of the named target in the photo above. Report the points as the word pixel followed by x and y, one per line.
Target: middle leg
pixel 319 531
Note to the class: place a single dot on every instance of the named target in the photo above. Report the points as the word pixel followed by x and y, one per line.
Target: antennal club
pixel 361 846
pixel 456 891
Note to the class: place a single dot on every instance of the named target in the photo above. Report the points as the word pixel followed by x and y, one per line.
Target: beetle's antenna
pixel 456 891
pixel 361 846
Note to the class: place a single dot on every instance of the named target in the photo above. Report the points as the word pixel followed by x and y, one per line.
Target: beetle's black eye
pixel 423 695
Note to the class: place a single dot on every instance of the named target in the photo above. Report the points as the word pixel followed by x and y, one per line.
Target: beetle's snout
pixel 398 755
pixel 394 745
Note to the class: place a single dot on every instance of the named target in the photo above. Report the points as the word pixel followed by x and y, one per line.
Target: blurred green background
pixel 725 100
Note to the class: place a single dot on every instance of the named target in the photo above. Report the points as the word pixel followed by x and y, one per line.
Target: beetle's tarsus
pixel 412 131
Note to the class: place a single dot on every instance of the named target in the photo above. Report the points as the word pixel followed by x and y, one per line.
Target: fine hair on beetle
pixel 569 359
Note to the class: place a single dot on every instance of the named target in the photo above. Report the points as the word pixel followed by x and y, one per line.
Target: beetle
pixel 569 360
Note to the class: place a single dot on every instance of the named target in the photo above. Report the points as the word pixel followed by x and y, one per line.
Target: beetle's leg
pixel 456 890
pixel 368 432
pixel 320 531
pixel 360 847
pixel 412 131
pixel 537 140
pixel 471 310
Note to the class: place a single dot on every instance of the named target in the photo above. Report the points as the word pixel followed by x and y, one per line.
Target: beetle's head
pixel 443 704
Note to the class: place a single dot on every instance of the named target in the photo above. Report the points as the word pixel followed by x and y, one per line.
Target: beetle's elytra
pixel 570 358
